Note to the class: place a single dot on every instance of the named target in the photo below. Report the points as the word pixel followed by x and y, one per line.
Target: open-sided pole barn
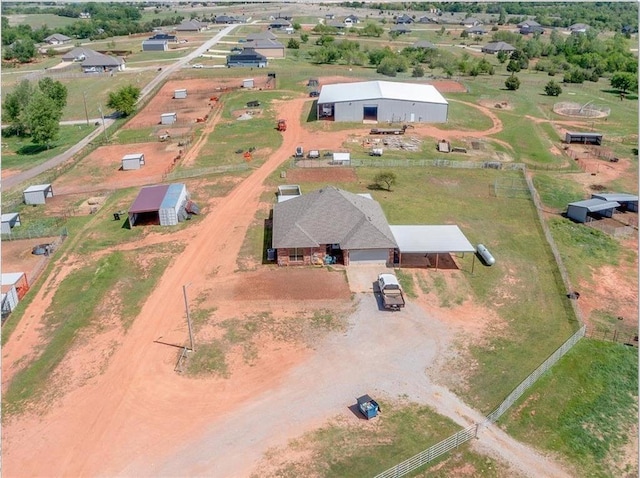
pixel 9 221
pixel 436 240
pixel 37 194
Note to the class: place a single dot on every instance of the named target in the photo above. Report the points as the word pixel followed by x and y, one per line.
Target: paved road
pixel 17 179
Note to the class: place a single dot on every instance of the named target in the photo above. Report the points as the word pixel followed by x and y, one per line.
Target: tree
pixel 371 30
pixel 42 117
pixel 304 38
pixel 293 44
pixel 513 66
pixel 23 50
pixel 296 26
pixel 502 56
pixel 385 179
pixel 512 83
pixel 124 100
pixel 15 104
pixel 624 81
pixel 418 71
pixel 553 89
pixel 54 90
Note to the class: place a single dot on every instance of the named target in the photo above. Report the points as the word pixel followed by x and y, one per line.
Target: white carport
pixel 436 240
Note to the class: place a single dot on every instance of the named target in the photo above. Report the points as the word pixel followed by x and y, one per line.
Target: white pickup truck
pixel 391 292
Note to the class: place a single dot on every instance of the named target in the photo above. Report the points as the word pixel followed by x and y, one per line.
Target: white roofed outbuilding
pixel 382 101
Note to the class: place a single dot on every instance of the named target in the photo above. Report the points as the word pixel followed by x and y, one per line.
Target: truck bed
pixel 392 300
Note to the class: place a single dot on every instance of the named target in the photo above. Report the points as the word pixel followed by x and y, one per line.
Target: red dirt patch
pixel 100 170
pixel 320 175
pixel 17 257
pixel 197 104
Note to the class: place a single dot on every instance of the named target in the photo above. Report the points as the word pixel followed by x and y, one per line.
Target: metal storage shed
pixel 180 94
pixel 248 83
pixel 579 211
pixel 9 221
pixel 172 206
pixel 583 138
pixel 14 287
pixel 430 240
pixel 37 194
pixel 155 45
pixel 382 101
pixel 162 204
pixel 627 201
pixel 168 118
pixel 341 158
pixel 132 161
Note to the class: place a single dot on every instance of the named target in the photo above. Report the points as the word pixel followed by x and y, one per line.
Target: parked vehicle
pixel 391 292
pixel 198 65
pixel 375 152
pixel 313 154
pixel 299 152
pixel 314 94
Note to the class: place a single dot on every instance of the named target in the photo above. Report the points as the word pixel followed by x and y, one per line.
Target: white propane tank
pixel 486 255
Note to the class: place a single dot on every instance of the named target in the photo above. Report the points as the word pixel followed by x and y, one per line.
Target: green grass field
pixel 38 20
pixel 582 409
pixel 20 153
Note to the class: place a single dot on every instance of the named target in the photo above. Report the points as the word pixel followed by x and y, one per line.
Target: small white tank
pixel 485 254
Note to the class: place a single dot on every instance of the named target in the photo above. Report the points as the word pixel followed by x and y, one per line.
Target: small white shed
pixel 341 158
pixel 14 287
pixel 9 221
pixel 132 161
pixel 168 118
pixel 180 94
pixel 37 194
pixel 248 83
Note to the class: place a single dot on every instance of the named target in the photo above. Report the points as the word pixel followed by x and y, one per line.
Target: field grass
pixel 583 248
pixel 348 448
pixel 38 20
pixel 584 408
pixel 19 153
pixel 556 191
pixel 76 308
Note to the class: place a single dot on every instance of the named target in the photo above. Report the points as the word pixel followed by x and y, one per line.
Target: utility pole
pixel 104 128
pixel 86 113
pixel 186 306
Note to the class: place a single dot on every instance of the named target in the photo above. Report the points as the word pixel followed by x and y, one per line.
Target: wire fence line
pixel 406 163
pixel 194 173
pixel 426 456
pixel 437 450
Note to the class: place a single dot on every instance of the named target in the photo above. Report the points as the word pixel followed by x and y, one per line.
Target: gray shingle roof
pixel 92 58
pixel 331 216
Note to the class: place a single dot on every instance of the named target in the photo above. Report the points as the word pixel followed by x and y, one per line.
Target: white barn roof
pixel 433 239
pixel 373 90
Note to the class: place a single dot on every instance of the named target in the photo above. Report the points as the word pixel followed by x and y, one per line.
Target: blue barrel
pixel 486 255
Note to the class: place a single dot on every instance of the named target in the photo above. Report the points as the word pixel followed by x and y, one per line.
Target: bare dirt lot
pixel 17 256
pixel 102 169
pixel 197 104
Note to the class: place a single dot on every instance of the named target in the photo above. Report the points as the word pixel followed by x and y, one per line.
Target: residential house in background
pixel 403 19
pixel 470 22
pixel 247 58
pixel 268 48
pixel 57 39
pixel 94 62
pixel 191 26
pixel 497 46
pixel 578 28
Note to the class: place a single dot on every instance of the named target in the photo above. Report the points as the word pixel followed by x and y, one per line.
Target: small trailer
pixel 368 406
pixel 391 292
pixel 389 130
pixel 313 154
pixel 375 152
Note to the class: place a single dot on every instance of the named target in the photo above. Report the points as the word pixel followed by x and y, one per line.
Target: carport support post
pixel 186 306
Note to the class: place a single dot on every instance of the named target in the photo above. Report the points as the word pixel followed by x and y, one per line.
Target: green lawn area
pixel 584 408
pixel 20 153
pixel 38 20
pixel 346 449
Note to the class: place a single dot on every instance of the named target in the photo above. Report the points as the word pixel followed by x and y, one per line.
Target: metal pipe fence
pixel 194 173
pixel 407 163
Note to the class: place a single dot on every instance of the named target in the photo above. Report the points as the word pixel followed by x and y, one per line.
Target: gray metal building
pixel 37 194
pixel 580 211
pixel 382 101
pixel 155 45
